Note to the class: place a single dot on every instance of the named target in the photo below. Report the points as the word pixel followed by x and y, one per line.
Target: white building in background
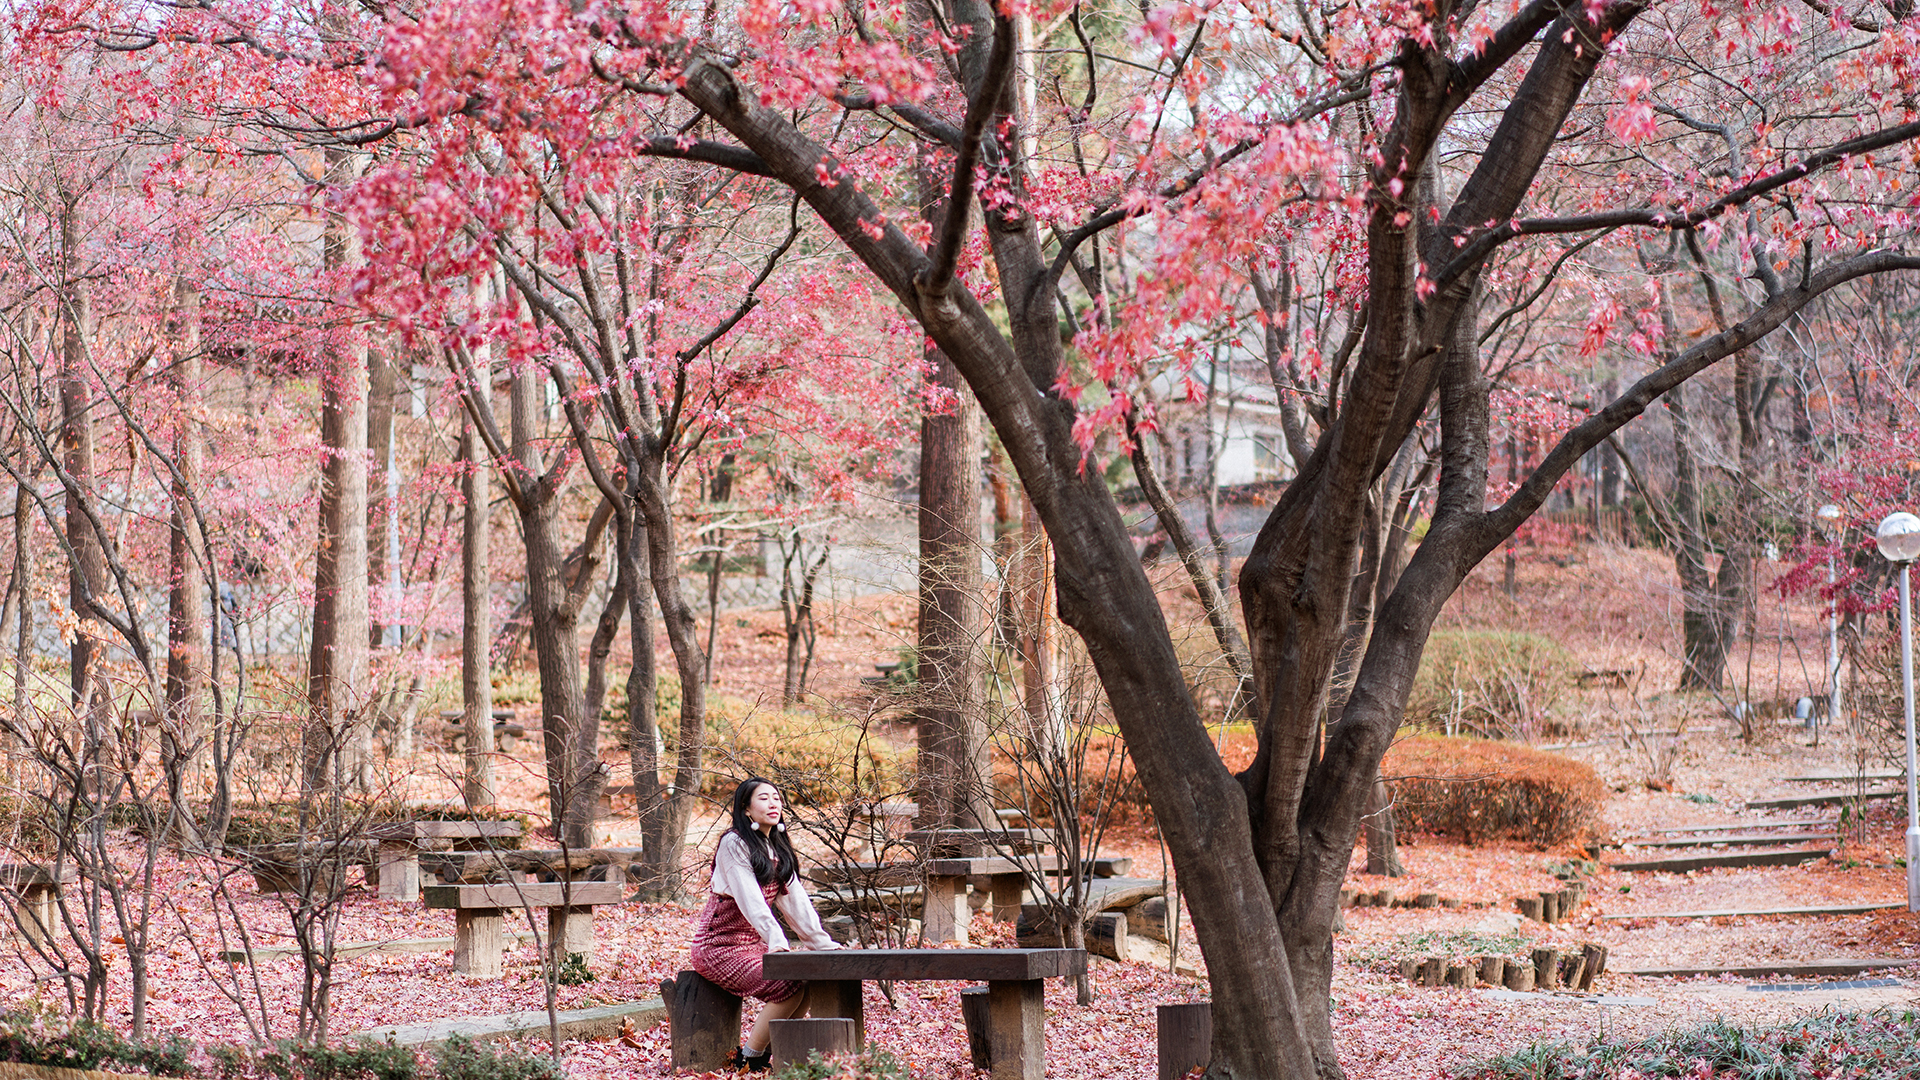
pixel 1252 446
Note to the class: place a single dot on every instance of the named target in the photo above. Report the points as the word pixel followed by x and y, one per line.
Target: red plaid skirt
pixel 727 949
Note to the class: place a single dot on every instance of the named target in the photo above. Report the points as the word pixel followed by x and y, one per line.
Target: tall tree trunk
pixel 654 528
pixel 23 508
pixel 380 387
pixel 87 570
pixel 338 739
pixel 569 734
pixel 476 592
pixel 951 768
pixel 183 735
pixel 643 728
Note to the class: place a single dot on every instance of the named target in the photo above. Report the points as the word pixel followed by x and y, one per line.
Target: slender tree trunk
pixel 23 508
pixel 476 581
pixel 569 735
pixel 183 736
pixel 643 729
pixel 380 387
pixel 655 525
pixel 339 733
pixel 87 571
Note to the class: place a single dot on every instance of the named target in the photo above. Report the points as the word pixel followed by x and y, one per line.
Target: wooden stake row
pixel 1387 898
pixel 1548 969
pixel 1552 907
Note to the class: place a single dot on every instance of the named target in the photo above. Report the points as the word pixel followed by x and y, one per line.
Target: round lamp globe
pixel 1899 537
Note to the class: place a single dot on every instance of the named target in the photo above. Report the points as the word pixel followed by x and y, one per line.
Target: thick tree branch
pixel 980 112
pixel 1476 250
pixel 1500 522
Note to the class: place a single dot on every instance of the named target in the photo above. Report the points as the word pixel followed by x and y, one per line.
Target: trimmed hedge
pixel 1860 1046
pixel 1479 789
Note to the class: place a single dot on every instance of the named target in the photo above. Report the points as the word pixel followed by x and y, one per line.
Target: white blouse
pixel 733 876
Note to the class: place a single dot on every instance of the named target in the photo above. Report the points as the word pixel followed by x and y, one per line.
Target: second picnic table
pixel 1015 978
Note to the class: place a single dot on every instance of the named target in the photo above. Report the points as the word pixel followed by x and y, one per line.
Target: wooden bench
pixel 316 864
pixel 544 864
pixel 479 918
pixel 36 889
pixel 977 843
pixel 944 912
pixel 402 841
pixel 1016 1011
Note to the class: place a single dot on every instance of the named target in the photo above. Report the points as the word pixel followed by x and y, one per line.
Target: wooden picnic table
pixel 545 864
pixel 37 889
pixel 1015 978
pixel 401 842
pixel 479 918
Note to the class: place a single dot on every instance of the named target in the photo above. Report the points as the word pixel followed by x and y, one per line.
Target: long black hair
pixel 771 853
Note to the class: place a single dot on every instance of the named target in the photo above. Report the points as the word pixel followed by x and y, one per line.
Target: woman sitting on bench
pixel 754 867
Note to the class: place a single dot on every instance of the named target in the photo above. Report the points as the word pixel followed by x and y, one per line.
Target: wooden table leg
pixel 479 942
pixel 1007 890
pixel 399 870
pixel 945 914
pixel 1017 1029
pixel 569 934
pixel 826 999
pixel 39 913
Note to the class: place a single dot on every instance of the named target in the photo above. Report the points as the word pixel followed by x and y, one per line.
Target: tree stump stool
pixel 1185 1038
pixel 973 1009
pixel 795 1040
pixel 703 1022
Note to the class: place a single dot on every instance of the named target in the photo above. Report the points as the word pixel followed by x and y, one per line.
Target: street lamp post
pixel 1899 541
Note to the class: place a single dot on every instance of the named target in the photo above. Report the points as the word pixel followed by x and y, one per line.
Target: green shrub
pixel 1479 789
pixel 363 1059
pixel 460 1058
pixel 866 1065
pixel 34 1037
pixel 1492 682
pixel 1861 1046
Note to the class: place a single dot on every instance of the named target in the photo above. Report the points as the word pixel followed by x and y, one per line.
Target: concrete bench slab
pixel 603 1022
pixel 553 864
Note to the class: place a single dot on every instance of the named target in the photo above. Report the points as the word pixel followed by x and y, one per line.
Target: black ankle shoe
pixel 744 1058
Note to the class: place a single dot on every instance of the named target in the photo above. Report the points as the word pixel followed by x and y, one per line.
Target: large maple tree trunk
pixel 1261 856
pixel 337 743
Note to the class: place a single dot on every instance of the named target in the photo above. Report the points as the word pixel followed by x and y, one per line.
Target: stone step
pixel 1844 777
pixel 583 1024
pixel 1830 798
pixel 1723 839
pixel 1835 909
pixel 1780 968
pixel 1748 825
pixel 349 950
pixel 1684 863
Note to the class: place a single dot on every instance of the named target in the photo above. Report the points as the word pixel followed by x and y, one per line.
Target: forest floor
pixel 1598 602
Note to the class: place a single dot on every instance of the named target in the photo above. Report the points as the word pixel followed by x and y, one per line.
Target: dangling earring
pixel 782 826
